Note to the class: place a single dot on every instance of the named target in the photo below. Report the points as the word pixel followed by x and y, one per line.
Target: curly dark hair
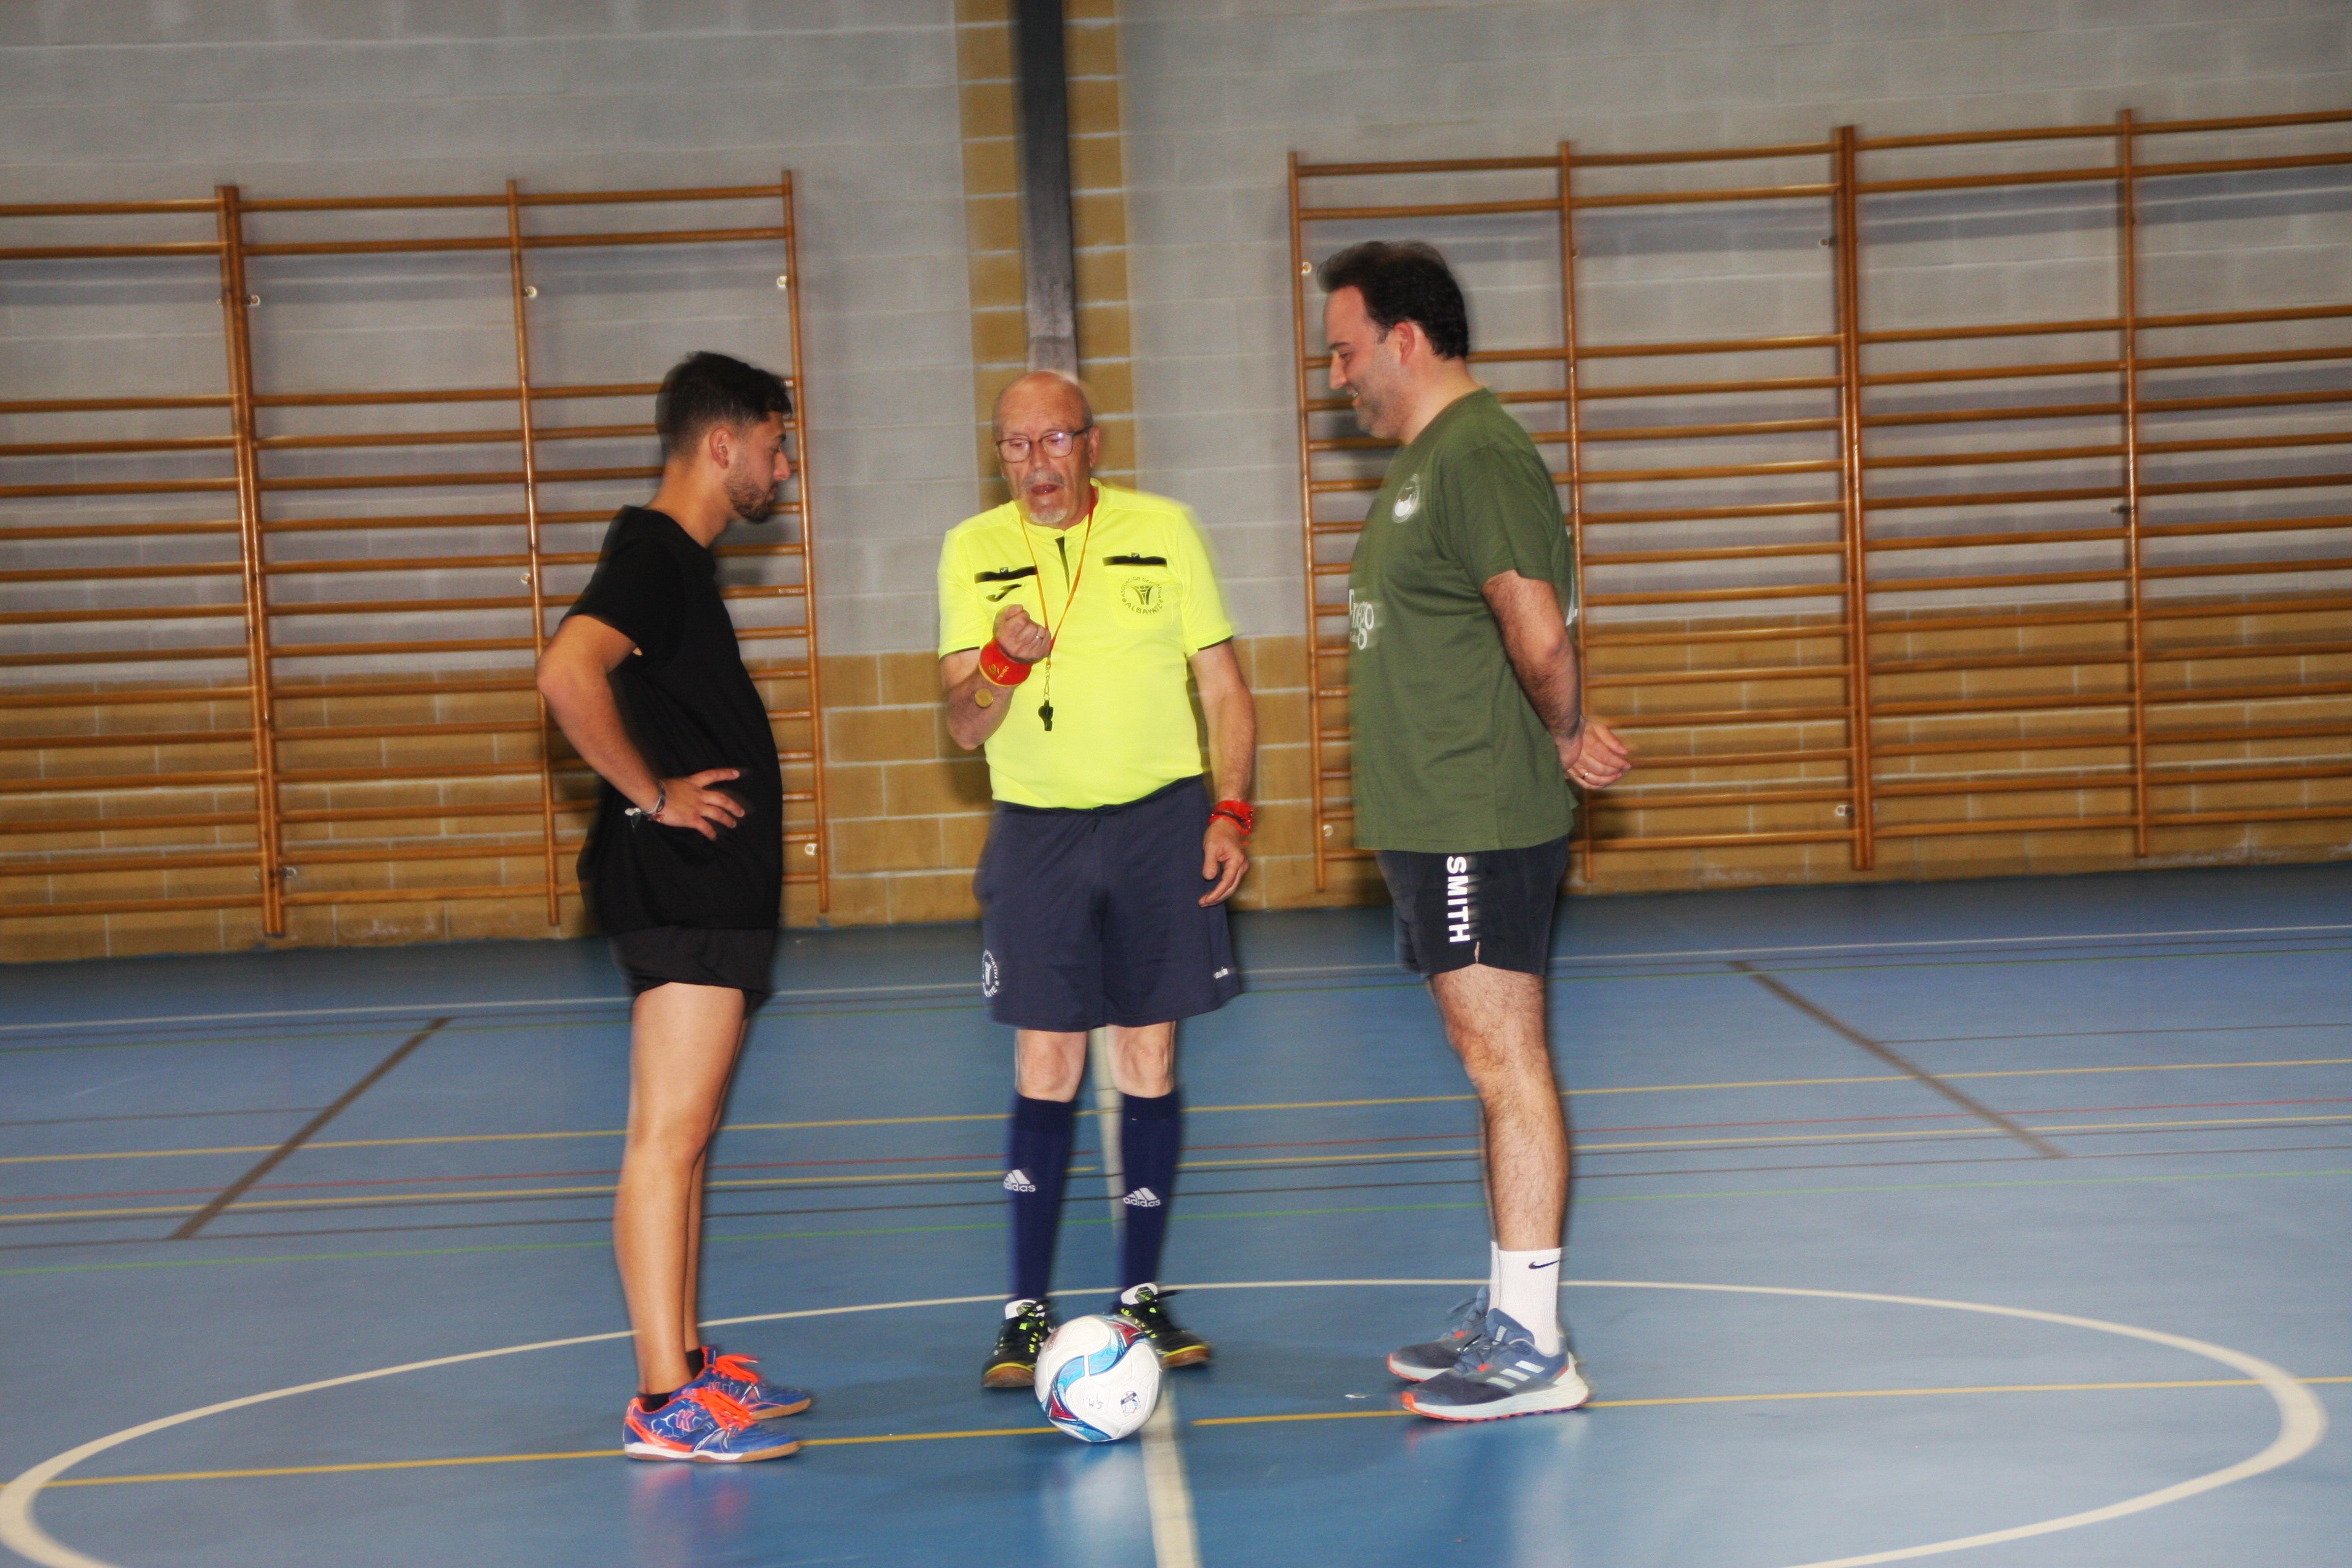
pixel 705 389
pixel 1404 280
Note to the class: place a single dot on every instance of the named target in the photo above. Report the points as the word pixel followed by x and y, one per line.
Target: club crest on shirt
pixel 1408 500
pixel 1143 595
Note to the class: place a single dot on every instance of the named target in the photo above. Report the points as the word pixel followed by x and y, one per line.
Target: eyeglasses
pixel 1053 443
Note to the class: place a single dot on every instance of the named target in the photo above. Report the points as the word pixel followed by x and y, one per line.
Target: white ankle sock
pixel 1493 1272
pixel 1527 1286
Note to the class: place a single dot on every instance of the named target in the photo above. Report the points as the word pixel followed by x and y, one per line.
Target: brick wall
pixel 1182 114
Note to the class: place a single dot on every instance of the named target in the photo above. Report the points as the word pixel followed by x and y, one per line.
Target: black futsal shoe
pixel 1143 1306
pixel 1013 1363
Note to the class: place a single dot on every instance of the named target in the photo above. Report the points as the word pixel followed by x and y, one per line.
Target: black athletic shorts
pixel 690 955
pixel 1091 918
pixel 1493 908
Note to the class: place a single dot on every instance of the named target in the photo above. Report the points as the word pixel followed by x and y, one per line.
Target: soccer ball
pixel 1097 1379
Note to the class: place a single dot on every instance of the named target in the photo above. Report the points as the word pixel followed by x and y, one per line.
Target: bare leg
pixel 683 1043
pixel 1047 1065
pixel 692 1301
pixel 1143 1059
pixel 1495 1019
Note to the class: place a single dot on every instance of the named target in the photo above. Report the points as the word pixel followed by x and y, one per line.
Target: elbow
pixel 1544 651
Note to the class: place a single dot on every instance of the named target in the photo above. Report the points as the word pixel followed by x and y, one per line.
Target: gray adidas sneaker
pixel 1417 1363
pixel 1501 1373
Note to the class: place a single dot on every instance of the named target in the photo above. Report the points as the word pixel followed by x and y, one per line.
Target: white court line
pixel 2302 1420
pixel 1175 1541
pixel 943 987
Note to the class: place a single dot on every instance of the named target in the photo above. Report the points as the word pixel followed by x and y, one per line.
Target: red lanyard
pixel 1045 704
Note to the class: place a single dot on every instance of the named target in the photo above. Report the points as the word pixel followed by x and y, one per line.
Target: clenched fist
pixel 1021 637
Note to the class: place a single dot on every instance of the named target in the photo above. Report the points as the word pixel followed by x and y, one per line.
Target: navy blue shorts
pixel 1493 907
pixel 1091 918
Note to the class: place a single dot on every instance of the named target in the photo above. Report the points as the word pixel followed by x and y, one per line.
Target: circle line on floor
pixel 2302 1419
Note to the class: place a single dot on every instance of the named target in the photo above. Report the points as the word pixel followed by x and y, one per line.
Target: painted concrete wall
pixel 324 96
pixel 1219 92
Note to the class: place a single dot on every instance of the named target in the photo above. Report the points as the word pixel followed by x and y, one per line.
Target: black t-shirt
pixel 689 706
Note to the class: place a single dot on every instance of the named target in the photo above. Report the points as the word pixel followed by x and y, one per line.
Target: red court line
pixel 1198 1148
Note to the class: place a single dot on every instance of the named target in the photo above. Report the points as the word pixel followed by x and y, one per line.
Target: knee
pixel 675 1141
pixel 1048 1067
pixel 1145 1062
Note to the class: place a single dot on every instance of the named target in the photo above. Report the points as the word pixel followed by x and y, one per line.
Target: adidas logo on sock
pixel 1019 1181
pixel 1141 1198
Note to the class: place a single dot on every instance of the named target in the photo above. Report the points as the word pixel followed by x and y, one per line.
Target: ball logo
pixel 992 979
pixel 1408 500
pixel 1143 595
pixel 1363 621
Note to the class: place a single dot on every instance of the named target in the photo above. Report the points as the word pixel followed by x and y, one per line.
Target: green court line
pixel 1398 982
pixel 1193 1214
pixel 998 1116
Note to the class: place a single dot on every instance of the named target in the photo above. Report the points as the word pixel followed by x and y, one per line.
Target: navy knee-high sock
pixel 1036 1158
pixel 1151 1136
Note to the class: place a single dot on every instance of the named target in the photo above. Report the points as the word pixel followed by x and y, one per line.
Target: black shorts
pixel 1493 908
pixel 1094 916
pixel 690 955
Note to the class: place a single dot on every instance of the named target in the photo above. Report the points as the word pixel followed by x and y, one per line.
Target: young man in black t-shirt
pixel 684 870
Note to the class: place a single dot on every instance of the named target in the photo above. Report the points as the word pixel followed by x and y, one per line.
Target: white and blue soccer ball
pixel 1097 1379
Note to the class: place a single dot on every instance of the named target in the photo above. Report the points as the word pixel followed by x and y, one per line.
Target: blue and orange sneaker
pixel 738 1377
pixel 700 1423
pixel 1501 1373
pixel 1420 1362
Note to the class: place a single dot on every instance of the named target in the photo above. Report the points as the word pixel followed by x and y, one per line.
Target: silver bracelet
pixel 661 799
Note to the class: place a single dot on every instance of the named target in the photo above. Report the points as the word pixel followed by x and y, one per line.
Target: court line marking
pixel 236 1189
pixel 1900 1063
pixel 998 1116
pixel 1208 1214
pixel 426 1188
pixel 1167 1496
pixel 2303 1421
pixel 1264 1162
pixel 396 1009
pixel 462 1459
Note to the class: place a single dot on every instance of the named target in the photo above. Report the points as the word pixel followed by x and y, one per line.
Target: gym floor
pixel 2004 1220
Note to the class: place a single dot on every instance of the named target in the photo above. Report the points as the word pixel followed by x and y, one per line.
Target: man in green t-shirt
pixel 1468 715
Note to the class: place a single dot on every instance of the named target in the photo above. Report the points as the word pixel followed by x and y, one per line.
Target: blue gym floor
pixel 2122 1098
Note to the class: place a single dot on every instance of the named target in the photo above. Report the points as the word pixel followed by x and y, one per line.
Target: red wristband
pixel 1237 812
pixel 1002 667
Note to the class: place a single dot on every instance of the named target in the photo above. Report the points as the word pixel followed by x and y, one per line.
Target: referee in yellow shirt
pixel 1069 618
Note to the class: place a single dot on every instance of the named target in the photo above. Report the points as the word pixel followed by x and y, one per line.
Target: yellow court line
pixel 1204 1421
pixel 1263 1162
pixel 1825 1394
pixel 1193 1110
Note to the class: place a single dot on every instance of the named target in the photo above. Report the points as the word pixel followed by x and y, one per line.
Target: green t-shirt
pixel 1449 755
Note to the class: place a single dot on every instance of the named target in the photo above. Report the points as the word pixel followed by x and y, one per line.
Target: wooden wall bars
pixel 331 468
pixel 1922 488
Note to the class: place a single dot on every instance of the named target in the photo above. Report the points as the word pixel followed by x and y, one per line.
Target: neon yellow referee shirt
pixel 1147 601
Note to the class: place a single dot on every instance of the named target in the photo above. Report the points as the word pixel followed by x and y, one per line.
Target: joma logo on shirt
pixel 1461 923
pixel 1363 620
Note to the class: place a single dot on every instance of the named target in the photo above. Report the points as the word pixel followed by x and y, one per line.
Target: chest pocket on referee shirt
pixel 1146 587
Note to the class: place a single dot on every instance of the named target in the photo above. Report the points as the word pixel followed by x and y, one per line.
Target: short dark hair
pixel 1404 280
pixel 705 389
